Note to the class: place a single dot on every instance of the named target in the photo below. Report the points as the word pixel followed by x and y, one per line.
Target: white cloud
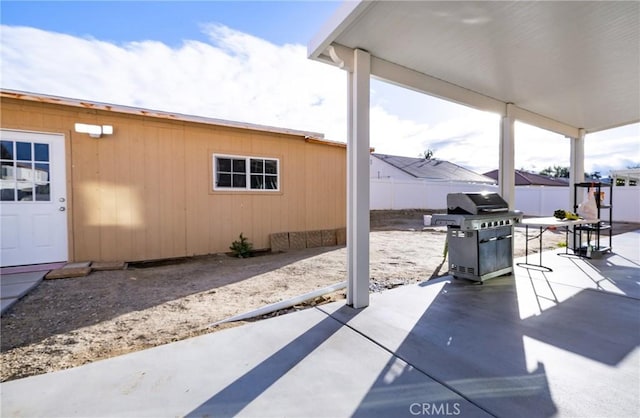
pixel 236 76
pixel 240 77
pixel 613 149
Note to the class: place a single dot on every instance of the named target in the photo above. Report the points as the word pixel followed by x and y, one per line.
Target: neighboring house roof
pixel 86 104
pixel 524 178
pixel 633 173
pixel 433 169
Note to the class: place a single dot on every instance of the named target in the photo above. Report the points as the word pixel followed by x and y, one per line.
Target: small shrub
pixel 562 244
pixel 241 248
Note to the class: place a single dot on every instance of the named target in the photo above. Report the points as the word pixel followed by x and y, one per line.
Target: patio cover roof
pixel 575 64
pixel 569 67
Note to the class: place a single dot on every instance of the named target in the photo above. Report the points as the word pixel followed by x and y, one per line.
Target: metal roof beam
pixel 531 118
pixel 420 82
pixel 414 80
pixel 390 72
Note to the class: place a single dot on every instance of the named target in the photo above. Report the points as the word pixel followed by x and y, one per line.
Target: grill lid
pixel 475 203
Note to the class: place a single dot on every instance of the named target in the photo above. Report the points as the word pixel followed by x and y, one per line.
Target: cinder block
pixel 328 237
pixel 314 239
pixel 297 240
pixel 341 236
pixel 279 241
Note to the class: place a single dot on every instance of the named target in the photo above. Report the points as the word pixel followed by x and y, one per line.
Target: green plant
pixel 562 244
pixel 241 248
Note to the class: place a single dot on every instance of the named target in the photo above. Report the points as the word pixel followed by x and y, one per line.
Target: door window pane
pixel 7 190
pixel 43 193
pixel 25 172
pixel 41 172
pixel 8 171
pixel 25 194
pixel 6 150
pixel 23 151
pixel 41 152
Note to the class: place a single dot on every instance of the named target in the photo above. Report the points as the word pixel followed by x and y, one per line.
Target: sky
pixel 247 61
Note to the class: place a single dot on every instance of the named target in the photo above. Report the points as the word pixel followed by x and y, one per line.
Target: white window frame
pixel 247 173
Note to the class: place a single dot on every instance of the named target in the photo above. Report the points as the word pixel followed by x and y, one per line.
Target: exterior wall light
pixel 94 131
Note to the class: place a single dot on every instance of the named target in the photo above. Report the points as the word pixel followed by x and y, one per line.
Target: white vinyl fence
pixel 543 201
pixel 388 193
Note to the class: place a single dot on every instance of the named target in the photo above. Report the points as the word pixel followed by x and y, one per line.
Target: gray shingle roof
pixel 433 169
pixel 524 178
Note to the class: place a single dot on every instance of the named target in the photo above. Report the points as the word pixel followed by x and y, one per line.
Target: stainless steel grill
pixel 479 235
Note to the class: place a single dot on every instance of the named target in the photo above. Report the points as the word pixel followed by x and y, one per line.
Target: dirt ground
pixel 69 322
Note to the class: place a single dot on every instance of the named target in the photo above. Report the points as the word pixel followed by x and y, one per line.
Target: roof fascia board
pixel 347 13
pixel 606 128
pixel 86 104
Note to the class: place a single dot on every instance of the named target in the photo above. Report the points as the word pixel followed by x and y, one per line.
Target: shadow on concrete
pixel 470 341
pixel 616 269
pixel 236 396
pixel 609 337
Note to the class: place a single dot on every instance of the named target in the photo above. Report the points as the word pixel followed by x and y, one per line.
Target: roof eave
pixel 344 16
pixel 87 104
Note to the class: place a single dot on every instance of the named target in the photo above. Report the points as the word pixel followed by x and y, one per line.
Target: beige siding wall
pixel 146 191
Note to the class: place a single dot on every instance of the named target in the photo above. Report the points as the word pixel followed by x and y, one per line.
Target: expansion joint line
pixel 435 379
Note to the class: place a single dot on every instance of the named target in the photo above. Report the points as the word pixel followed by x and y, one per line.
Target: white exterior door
pixel 33 200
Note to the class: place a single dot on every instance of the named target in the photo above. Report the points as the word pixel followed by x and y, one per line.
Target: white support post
pixel 358 182
pixel 576 174
pixel 350 193
pixel 576 170
pixel 506 174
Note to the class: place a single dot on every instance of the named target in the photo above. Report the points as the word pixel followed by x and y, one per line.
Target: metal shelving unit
pixel 595 231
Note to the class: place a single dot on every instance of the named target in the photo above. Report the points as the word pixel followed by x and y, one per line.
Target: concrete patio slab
pixel 576 358
pixel 16 285
pixel 17 278
pixel 617 272
pixel 560 343
pixel 16 290
pixel 306 364
pixel 6 304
